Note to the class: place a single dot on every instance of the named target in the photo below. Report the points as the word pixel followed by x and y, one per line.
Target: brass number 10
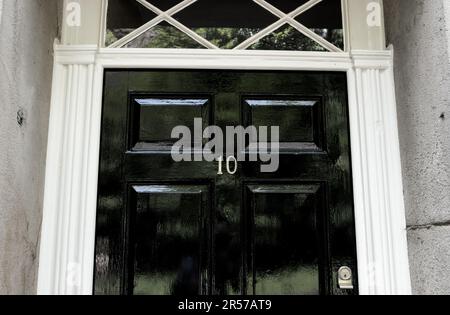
pixel 229 161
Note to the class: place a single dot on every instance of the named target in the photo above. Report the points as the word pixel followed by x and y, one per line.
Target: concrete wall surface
pixel 27 31
pixel 420 33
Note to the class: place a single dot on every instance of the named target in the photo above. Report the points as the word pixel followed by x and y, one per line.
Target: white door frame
pixel 68 231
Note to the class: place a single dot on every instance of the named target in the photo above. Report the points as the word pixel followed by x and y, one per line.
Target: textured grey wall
pixel 27 31
pixel 419 31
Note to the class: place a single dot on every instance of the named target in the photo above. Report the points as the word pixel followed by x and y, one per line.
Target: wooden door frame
pixel 68 230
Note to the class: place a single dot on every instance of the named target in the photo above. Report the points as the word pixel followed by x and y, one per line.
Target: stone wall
pixel 27 32
pixel 419 31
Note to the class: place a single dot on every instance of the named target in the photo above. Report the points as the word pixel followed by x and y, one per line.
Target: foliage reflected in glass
pixel 164 35
pixel 287 38
pixel 226 24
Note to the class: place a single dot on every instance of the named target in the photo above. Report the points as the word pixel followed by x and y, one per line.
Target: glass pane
pixel 325 19
pixel 124 16
pixel 287 38
pixel 226 23
pixel 164 35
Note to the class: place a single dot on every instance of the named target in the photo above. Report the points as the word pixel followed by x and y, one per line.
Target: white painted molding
pixel 68 230
pixel 222 59
pixel 383 266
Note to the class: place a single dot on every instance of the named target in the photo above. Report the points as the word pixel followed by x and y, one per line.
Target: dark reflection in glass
pixel 124 16
pixel 287 38
pixel 164 5
pixel 168 240
pixel 325 19
pixel 287 6
pixel 226 23
pixel 284 255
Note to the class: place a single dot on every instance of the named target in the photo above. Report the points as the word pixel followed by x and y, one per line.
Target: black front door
pixel 167 227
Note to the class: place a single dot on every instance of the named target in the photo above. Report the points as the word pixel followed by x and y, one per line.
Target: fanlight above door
pixel 295 25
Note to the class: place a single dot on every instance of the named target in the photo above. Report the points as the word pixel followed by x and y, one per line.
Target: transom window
pixel 298 25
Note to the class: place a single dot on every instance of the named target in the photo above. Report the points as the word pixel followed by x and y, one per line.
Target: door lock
pixel 345 278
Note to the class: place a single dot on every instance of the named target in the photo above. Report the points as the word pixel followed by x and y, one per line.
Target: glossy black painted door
pixel 166 227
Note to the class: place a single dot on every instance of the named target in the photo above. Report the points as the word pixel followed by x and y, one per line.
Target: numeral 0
pixel 230 159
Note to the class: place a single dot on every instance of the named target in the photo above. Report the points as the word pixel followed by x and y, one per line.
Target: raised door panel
pixel 168 243
pixel 153 118
pixel 300 120
pixel 285 252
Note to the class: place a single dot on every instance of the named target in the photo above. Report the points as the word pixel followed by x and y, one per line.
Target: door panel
pixel 300 120
pixel 166 227
pixel 285 243
pixel 168 244
pixel 152 119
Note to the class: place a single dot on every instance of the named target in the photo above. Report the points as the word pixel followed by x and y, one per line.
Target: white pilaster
pixel 66 258
pixel 377 179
